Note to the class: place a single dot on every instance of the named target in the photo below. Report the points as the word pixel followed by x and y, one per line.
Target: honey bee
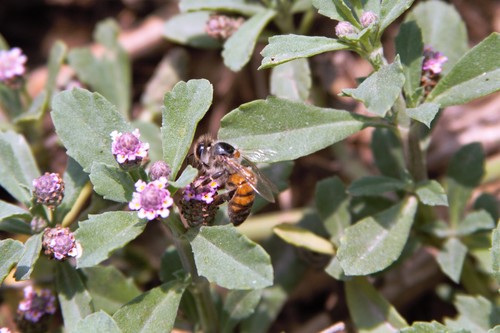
pixel 241 178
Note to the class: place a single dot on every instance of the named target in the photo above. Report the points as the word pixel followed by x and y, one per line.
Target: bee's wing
pixel 256 179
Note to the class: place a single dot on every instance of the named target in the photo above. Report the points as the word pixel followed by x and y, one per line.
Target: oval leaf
pixel 375 185
pixel 476 74
pixel 185 106
pixel 109 296
pixel 391 10
pixel 11 250
pixel 304 238
pixel 451 258
pixel 101 234
pixel 424 113
pixel 84 121
pixel 97 322
pixel 291 80
pixel 381 89
pixel 374 243
pixel 431 193
pixel 9 210
pixel 154 311
pixel 239 47
pixel 239 305
pixel 74 181
pixel 221 253
pixel 369 310
pixel 111 182
pixel 18 167
pixel 236 6
pixel 74 300
pixel 31 253
pixel 284 48
pixel 280 126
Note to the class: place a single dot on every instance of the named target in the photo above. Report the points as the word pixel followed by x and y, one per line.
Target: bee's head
pixel 202 150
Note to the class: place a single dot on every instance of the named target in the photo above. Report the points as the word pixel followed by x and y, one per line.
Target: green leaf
pixel 280 126
pixel 84 122
pixel 476 74
pixel 74 181
pixel 291 80
pixel 74 300
pixel 221 253
pixel 239 47
pixel 10 101
pixel 111 182
pixel 450 38
pixel 431 193
pixel 186 177
pixel 96 322
pixel 375 185
pixel 303 238
pixel 185 106
pixel 15 226
pixel 170 264
pixel 410 47
pixel 11 250
pixel 109 72
pixel 477 314
pixel 153 311
pixel 328 9
pixel 18 167
pixel 377 241
pixel 109 296
pixel 283 48
pixel 332 204
pixel 236 6
pixel 390 10
pixel 189 29
pixel 495 252
pixel 465 171
pixel 424 113
pixel 104 233
pixel 150 133
pixel 369 310
pixel 267 311
pixel 432 327
pixel 489 203
pixel 388 153
pixel 475 221
pixel 8 210
pixel 451 258
pixel 31 253
pixel 381 89
pixel 239 305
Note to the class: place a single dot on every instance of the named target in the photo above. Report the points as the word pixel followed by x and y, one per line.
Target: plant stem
pixel 200 288
pixel 417 161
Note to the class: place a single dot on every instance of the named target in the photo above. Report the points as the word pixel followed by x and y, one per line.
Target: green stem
pixel 417 161
pixel 200 288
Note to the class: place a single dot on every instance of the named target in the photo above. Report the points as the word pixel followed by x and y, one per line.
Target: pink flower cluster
pixel 205 193
pixel 433 60
pixel 11 63
pixel 60 243
pixel 34 305
pixel 127 148
pixel 151 199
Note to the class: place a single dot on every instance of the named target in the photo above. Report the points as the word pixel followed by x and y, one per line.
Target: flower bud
pixel 35 309
pixel 38 224
pixel 128 150
pixel 59 243
pixel 433 60
pixel 151 199
pixel 48 189
pixel 222 26
pixel 368 18
pixel 344 29
pixel 197 203
pixel 11 64
pixel 159 169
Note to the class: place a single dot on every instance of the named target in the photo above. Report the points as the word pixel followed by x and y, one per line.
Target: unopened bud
pixel 159 169
pixel 222 26
pixel 368 18
pixel 48 189
pixel 59 243
pixel 344 29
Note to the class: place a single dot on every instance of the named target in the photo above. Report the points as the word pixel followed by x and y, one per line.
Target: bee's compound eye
pixel 200 150
pixel 224 149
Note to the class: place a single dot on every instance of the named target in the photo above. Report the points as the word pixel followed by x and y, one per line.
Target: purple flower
pixel 11 63
pixel 200 192
pixel 5 330
pixel 151 199
pixel 128 149
pixel 60 244
pixel 34 305
pixel 222 26
pixel 159 169
pixel 48 189
pixel 344 28
pixel 433 60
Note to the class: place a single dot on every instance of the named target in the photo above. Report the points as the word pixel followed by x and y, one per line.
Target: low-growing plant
pixel 123 174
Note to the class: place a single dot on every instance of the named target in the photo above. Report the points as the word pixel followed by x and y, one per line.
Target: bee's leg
pixel 224 197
